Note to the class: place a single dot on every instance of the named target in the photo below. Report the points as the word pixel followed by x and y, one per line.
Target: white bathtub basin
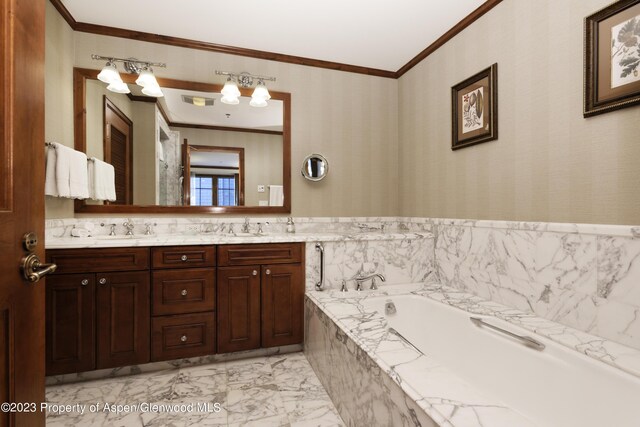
pixel 553 387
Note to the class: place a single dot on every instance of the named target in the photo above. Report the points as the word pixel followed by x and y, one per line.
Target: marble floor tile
pixel 279 390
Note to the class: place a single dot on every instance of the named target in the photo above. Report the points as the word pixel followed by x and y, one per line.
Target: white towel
pixel 78 178
pixel 50 186
pixel 160 151
pixel 64 156
pixel 276 195
pixel 102 180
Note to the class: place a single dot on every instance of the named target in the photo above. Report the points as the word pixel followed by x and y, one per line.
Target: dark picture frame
pixel 474 109
pixel 612 58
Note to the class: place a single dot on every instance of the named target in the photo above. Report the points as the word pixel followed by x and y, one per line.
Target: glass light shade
pixel 154 91
pixel 118 87
pixel 109 74
pixel 261 92
pixel 146 78
pixel 230 89
pixel 230 99
pixel 258 102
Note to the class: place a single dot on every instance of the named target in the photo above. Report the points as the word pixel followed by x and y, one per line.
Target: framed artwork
pixel 612 58
pixel 474 109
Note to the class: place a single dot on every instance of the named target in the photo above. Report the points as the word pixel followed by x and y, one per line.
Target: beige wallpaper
pixel 351 119
pixel 262 156
pixel 549 163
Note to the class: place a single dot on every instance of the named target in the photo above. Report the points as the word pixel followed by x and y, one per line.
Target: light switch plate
pixel 260 188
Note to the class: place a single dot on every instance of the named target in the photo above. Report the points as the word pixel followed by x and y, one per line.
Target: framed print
pixel 612 58
pixel 474 109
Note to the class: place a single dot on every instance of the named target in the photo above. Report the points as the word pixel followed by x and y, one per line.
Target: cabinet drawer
pixel 183 256
pixel 186 335
pixel 183 291
pixel 99 259
pixel 274 253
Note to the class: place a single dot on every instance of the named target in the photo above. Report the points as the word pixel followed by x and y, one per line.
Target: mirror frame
pixel 80 76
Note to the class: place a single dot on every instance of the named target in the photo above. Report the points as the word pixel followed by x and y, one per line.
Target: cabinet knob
pixel 183 338
pixel 102 281
pixel 183 258
pixel 84 282
pixel 183 293
pixel 255 272
pixel 267 272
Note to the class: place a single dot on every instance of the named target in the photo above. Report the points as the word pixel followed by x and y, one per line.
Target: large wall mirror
pixel 185 152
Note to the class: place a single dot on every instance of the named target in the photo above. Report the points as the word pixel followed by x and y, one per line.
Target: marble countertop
pixel 104 241
pixel 445 397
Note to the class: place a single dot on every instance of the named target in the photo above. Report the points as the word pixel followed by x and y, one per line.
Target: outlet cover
pixel 260 188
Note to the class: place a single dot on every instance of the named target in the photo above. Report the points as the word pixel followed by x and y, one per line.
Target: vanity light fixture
pixel 146 79
pixel 231 93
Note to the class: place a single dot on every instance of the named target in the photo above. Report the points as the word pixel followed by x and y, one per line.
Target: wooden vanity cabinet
pixel 260 295
pixel 97 312
pixel 183 302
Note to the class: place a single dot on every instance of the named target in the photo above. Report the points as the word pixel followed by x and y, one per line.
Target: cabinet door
pixel 282 305
pixel 123 319
pixel 238 308
pixel 70 327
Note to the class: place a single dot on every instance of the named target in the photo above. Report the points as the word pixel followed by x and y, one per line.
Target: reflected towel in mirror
pixel 276 195
pixel 102 183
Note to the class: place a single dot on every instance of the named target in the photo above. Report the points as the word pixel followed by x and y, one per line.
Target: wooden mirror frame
pixel 80 76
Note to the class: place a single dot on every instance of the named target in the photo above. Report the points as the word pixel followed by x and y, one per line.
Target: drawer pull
pixel 102 281
pixel 183 293
pixel 183 258
pixel 183 338
pixel 84 282
pixel 268 272
pixel 255 272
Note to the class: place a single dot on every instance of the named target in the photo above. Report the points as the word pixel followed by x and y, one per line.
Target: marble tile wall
pixel 583 276
pixel 405 260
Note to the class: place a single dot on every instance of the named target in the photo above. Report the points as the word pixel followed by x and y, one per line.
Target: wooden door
pixel 238 308
pixel 282 304
pixel 70 325
pixel 123 319
pixel 21 206
pixel 118 140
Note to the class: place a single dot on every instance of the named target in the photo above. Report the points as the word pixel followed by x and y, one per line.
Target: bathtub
pixel 444 370
pixel 556 386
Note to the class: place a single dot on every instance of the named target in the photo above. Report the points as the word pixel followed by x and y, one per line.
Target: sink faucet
pixel 129 226
pixel 360 279
pixel 245 226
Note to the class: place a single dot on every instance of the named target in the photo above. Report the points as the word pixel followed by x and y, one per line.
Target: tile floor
pixel 277 390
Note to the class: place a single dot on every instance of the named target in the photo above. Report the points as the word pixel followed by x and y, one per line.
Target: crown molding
pixel 272 56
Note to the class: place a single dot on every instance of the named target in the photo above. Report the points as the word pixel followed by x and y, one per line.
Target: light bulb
pixel 153 91
pixel 118 87
pixel 109 74
pixel 230 89
pixel 261 92
pixel 146 78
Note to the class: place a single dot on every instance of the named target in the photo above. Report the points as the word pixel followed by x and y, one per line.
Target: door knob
pixel 33 270
pixel 268 272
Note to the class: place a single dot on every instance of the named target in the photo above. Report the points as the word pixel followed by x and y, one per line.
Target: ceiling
pixel 379 34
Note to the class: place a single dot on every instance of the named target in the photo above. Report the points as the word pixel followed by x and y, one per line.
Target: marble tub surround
pixel 405 259
pixel 277 390
pixel 339 324
pixel 583 276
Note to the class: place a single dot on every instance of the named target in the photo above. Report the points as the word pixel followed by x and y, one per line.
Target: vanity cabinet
pixel 97 312
pixel 183 302
pixel 260 295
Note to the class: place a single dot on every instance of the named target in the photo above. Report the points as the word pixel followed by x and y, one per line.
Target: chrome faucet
pixel 245 226
pixel 149 230
pixel 360 279
pixel 129 226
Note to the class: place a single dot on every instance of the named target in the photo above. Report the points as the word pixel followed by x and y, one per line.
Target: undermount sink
pixel 133 237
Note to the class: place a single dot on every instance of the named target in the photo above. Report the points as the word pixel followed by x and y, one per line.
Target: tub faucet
pixel 360 279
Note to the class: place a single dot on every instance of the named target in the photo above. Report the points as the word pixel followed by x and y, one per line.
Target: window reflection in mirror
pixel 216 175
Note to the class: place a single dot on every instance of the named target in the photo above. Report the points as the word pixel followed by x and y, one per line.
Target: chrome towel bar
pixel 526 340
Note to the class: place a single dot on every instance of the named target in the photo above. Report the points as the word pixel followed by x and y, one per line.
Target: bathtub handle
pixel 526 340
pixel 320 284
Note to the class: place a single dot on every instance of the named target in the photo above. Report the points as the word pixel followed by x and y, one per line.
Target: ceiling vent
pixel 198 101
